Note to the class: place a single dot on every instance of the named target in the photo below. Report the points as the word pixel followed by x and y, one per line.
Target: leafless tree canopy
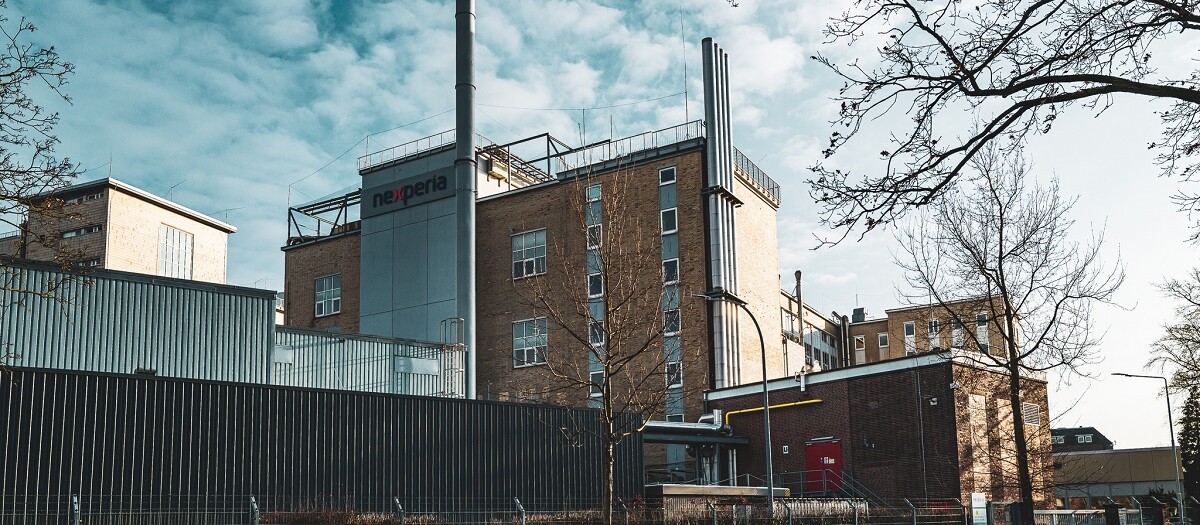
pixel 1179 346
pixel 1009 239
pixel 1011 64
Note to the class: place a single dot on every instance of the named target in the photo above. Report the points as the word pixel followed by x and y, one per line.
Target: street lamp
pixel 1171 425
pixel 718 294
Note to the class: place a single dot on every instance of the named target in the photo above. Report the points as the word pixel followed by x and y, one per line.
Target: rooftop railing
pixel 756 176
pixel 6 235
pixel 620 147
pixel 414 147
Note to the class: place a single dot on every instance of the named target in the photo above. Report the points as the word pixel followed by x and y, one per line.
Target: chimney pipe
pixel 464 174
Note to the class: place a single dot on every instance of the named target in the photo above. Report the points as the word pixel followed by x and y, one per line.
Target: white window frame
pixel 526 261
pixel 665 169
pixel 596 384
pixel 674 374
pixel 94 228
pixel 332 298
pixel 666 277
pixel 176 253
pixel 933 329
pixel 662 222
pixel 1058 440
pixel 860 342
pixel 539 356
pixel 1083 438
pixel 596 334
pixel 674 418
pixel 910 337
pixel 593 193
pixel 595 236
pixel 981 332
pixel 597 278
pixel 667 314
pixel 883 339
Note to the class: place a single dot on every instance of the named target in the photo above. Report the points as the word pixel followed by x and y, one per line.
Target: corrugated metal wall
pixel 105 434
pixel 365 364
pixel 118 321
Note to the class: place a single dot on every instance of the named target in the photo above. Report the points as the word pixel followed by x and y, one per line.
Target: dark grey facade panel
pixel 144 438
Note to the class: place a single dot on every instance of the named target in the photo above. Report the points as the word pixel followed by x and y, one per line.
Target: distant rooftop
pixel 109 182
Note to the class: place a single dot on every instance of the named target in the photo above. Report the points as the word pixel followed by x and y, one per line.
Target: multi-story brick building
pixel 967 324
pixel 109 224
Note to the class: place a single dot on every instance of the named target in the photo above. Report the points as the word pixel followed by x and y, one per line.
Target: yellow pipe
pixel 773 407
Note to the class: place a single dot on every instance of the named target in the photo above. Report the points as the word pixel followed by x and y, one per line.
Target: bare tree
pixel 1004 246
pixel 608 311
pixel 29 168
pixel 1013 65
pixel 1179 346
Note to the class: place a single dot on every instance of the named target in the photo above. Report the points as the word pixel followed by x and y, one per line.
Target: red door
pixel 823 466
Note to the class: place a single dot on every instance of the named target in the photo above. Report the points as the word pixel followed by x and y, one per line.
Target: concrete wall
pixel 132 238
pixel 758 283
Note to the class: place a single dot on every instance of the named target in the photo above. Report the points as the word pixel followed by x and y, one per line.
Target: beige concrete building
pixel 109 224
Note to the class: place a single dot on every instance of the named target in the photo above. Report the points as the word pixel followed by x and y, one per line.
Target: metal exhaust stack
pixel 464 171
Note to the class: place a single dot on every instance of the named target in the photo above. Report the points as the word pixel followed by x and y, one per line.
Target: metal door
pixel 823 466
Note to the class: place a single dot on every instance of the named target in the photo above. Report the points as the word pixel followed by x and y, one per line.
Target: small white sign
pixel 978 508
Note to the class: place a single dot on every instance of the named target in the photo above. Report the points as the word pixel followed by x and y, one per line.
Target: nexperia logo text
pixel 409 192
pixel 403 194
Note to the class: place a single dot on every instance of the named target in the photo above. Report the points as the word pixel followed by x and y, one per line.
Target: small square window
pixel 883 339
pixel 674 374
pixel 675 418
pixel 592 193
pixel 669 221
pixel 910 328
pixel 1058 440
pixel 596 384
pixel 670 271
pixel 595 235
pixel 933 327
pixel 1083 438
pixel 671 321
pixel 860 342
pixel 666 175
pixel 595 285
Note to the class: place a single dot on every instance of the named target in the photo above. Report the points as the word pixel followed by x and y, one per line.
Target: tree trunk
pixel 1024 480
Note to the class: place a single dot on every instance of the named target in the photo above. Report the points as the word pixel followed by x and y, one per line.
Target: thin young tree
pixel 1178 348
pixel 607 310
pixel 1014 66
pixel 1005 241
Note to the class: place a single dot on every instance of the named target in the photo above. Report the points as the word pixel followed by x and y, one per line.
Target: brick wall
pixel 904 432
pixel 870 331
pixel 302 265
pixel 133 238
pixel 72 216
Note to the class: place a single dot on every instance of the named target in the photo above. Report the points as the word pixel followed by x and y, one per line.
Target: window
pixel 666 175
pixel 529 253
pixel 935 338
pixel 860 342
pixel 328 295
pixel 981 331
pixel 85 198
pixel 883 339
pixel 81 231
pixel 1031 414
pixel 596 332
pixel 592 193
pixel 1058 440
pixel 88 263
pixel 671 321
pixel 956 333
pixel 174 252
pixel 595 235
pixel 675 418
pixel 668 221
pixel 595 285
pixel 596 379
pixel 670 271
pixel 529 342
pixel 1083 438
pixel 910 337
pixel 674 374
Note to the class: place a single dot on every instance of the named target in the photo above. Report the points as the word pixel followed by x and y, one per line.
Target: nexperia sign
pixel 408 192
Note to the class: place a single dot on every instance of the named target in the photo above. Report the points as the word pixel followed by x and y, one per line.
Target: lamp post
pixel 718 294
pixel 1170 425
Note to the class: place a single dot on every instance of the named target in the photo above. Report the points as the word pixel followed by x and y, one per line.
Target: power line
pixel 622 104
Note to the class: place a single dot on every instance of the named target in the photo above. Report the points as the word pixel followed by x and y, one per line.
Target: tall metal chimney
pixel 464 172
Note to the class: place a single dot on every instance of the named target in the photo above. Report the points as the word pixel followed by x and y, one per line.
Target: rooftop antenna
pixel 110 162
pixel 169 190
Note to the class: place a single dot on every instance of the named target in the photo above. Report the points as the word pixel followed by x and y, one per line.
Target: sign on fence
pixel 978 509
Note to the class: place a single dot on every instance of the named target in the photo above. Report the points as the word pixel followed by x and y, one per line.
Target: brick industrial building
pixel 112 225
pixel 925 427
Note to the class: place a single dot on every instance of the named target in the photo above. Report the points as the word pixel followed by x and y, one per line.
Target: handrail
pixel 773 407
pixel 756 176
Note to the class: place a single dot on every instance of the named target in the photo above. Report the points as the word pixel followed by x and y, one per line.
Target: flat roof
pixel 109 182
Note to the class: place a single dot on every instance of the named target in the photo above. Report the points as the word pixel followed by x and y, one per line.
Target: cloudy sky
pixel 236 109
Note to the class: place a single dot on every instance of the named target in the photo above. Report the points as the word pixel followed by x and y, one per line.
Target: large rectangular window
pixel 174 252
pixel 910 337
pixel 529 253
pixel 956 333
pixel 934 334
pixel 981 331
pixel 529 342
pixel 328 295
